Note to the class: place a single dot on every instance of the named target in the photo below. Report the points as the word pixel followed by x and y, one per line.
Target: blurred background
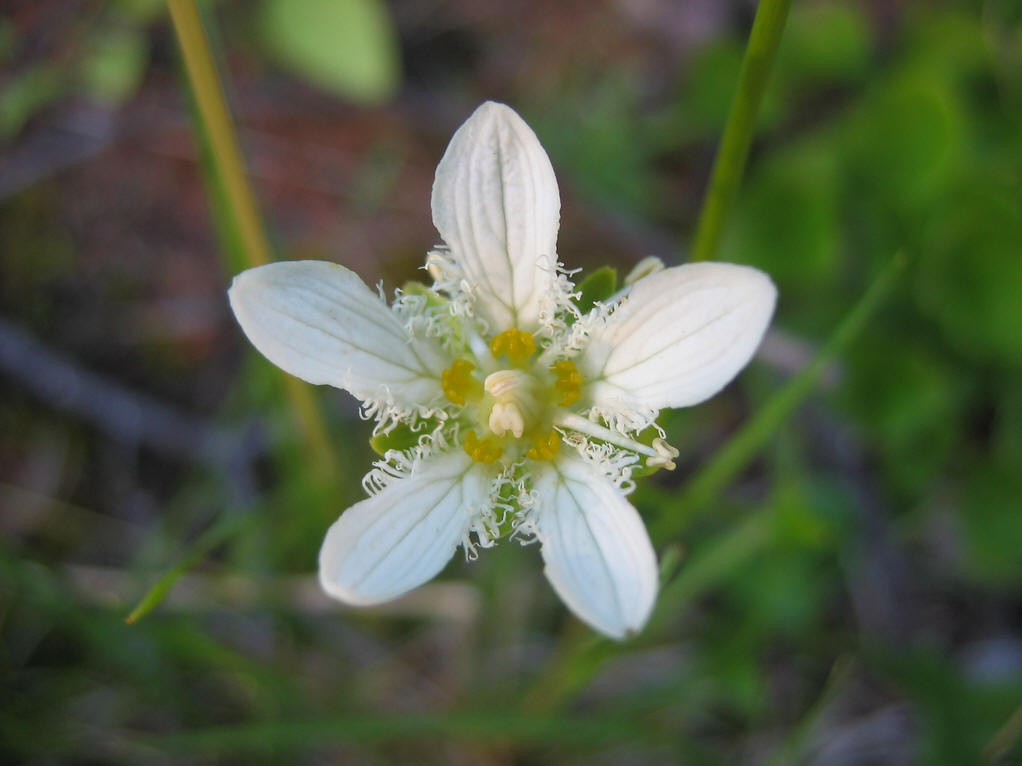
pixel 855 597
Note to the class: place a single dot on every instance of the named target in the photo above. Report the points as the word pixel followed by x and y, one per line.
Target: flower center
pixel 525 410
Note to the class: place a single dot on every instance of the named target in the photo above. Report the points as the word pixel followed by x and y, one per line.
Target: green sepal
pixel 599 285
pixel 433 298
pixel 401 437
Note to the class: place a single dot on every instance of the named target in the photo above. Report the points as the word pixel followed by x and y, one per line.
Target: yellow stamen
pixel 482 450
pixel 569 382
pixel 459 385
pixel 516 345
pixel 546 447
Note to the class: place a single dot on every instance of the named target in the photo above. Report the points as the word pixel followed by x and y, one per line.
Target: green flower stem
pixel 239 201
pixel 741 122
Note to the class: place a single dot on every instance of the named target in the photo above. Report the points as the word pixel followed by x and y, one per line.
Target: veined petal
pixel 402 536
pixel 496 205
pixel 319 322
pixel 597 553
pixel 679 336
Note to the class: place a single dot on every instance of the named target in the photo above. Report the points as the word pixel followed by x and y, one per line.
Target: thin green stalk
pixel 792 750
pixel 240 205
pixel 242 234
pixel 216 119
pixel 1005 738
pixel 729 164
pixel 221 531
pixel 711 565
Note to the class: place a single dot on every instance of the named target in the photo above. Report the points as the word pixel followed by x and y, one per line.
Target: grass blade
pixel 218 533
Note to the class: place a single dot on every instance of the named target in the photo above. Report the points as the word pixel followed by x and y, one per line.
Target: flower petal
pixel 679 336
pixel 402 536
pixel 319 322
pixel 597 553
pixel 496 205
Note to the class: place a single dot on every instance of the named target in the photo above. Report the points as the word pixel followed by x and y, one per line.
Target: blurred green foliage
pixel 347 47
pixel 104 61
pixel 926 159
pixel 874 138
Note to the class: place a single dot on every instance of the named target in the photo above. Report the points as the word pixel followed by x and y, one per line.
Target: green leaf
pixel 28 93
pixel 712 75
pixel 992 523
pixel 140 11
pixel 606 152
pixel 970 276
pixel 788 220
pixel 347 47
pixel 598 285
pixel 907 138
pixel 114 68
pixel 8 39
pixel 909 399
pixel 824 43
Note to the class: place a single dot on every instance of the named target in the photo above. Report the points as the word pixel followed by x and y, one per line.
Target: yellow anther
pixel 459 385
pixel 569 382
pixel 482 450
pixel 546 447
pixel 516 345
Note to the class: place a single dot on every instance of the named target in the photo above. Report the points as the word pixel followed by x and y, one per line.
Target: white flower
pixel 528 414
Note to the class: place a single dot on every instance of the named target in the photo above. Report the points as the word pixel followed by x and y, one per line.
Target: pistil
pixel 515 408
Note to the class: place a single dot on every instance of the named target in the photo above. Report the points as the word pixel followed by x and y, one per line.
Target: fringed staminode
pixel 429 315
pixel 524 525
pixel 557 310
pixel 388 414
pixel 575 337
pixel 449 280
pixel 488 519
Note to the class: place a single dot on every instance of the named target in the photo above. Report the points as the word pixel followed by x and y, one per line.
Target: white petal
pixel 496 205
pixel 402 536
pixel 319 322
pixel 679 336
pixel 597 553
